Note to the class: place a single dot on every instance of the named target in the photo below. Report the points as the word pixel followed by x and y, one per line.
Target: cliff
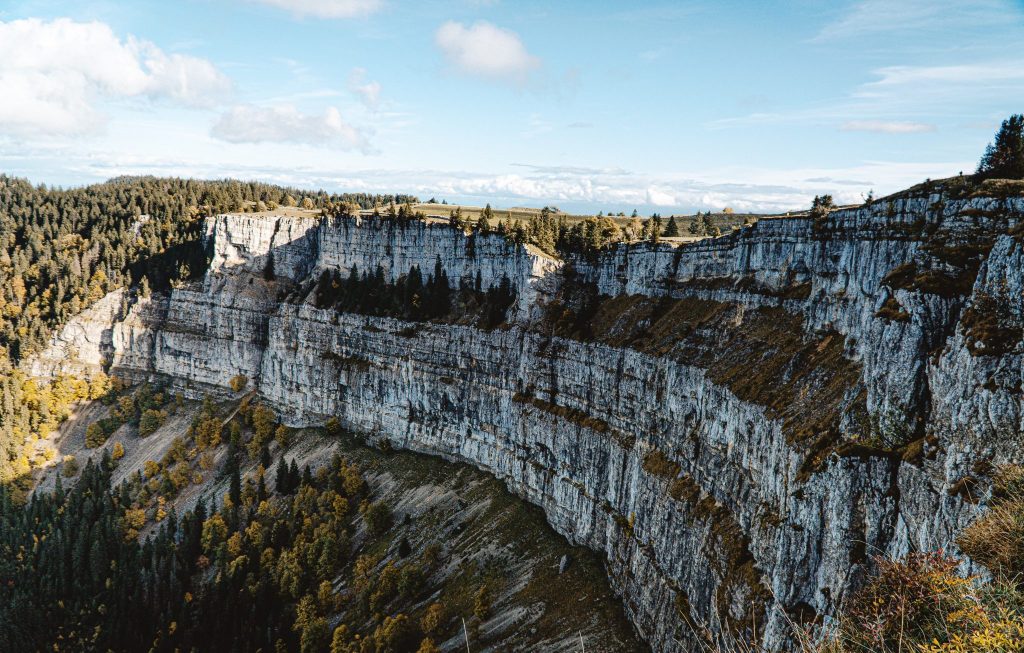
pixel 736 424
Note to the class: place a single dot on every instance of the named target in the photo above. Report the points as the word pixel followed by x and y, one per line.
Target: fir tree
pixel 1004 158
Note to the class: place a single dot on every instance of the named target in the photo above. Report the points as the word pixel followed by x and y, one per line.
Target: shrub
pixel 150 421
pixel 94 435
pixel 118 452
pixel 378 518
pixel 333 427
pixel 238 382
pixel 434 619
pixel 70 467
pixel 921 604
pixel 482 603
pixel 428 646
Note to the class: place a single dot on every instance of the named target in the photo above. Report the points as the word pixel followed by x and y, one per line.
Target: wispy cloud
pixel 975 74
pixel 886 16
pixel 251 124
pixel 902 99
pixel 886 126
pixel 326 8
pixel 367 91
pixel 485 50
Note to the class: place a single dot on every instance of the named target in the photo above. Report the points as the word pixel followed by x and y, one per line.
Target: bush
pixel 95 436
pixel 333 427
pixel 658 464
pixel 70 467
pixel 378 518
pixel 150 421
pixel 482 603
pixel 118 452
pixel 921 604
pixel 434 619
pixel 238 382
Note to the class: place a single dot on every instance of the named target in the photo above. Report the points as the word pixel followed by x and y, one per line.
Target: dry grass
pixel 658 464
pixel 996 539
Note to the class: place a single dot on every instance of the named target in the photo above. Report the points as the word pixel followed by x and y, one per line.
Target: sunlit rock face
pixel 739 425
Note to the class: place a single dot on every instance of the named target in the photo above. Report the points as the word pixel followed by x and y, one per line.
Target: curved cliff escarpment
pixel 737 424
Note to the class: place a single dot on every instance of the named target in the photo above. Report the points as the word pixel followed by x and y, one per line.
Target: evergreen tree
pixel 281 477
pixel 655 229
pixel 293 477
pixel 672 228
pixel 1004 158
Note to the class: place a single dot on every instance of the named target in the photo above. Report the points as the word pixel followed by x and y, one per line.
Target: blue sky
pixel 587 105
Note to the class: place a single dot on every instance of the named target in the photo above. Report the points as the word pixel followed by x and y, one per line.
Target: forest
pixel 78 578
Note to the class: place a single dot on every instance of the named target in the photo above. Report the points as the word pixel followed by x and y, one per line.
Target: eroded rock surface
pixel 736 424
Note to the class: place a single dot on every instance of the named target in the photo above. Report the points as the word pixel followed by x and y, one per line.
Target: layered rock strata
pixel 738 424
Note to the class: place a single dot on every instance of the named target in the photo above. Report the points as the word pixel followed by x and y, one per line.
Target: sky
pixel 585 105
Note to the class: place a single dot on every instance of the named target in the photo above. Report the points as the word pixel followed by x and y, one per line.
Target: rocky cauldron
pixel 839 389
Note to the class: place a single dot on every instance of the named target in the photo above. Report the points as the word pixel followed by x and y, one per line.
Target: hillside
pixel 423 536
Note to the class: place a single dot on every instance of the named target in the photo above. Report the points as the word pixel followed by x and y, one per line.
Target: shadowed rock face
pixel 737 424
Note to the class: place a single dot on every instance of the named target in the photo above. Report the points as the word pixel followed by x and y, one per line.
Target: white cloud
pixel 286 124
pixel 485 50
pixel 54 74
pixel 326 8
pixel 367 91
pixel 886 126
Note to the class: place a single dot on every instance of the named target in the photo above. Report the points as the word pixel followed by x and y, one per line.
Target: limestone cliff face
pixel 716 499
pixel 292 248
pixel 85 344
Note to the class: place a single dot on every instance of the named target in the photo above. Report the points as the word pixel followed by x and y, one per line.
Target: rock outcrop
pixel 85 344
pixel 738 424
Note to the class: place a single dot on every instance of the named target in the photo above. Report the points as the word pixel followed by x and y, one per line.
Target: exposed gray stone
pixel 457 392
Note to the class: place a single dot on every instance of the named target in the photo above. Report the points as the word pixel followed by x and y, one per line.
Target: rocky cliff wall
pixel 814 392
pixel 301 247
pixel 85 344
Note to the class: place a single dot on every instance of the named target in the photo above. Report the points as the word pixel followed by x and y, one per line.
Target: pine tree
pixel 1005 157
pixel 281 477
pixel 484 223
pixel 293 476
pixel 672 228
pixel 655 229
